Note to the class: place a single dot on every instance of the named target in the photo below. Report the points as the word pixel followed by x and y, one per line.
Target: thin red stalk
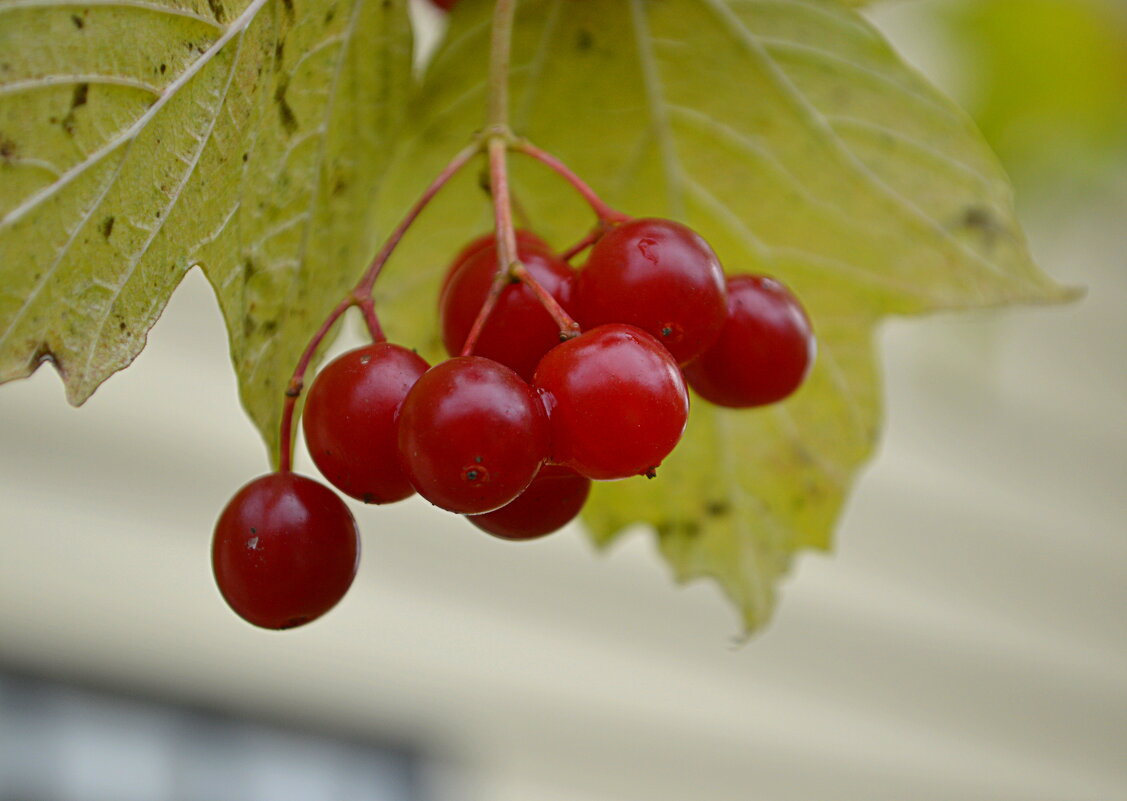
pixel 605 213
pixel 508 262
pixel 293 389
pixel 364 287
pixel 360 296
pixel 368 308
pixel 568 327
pixel 583 243
pixel 505 237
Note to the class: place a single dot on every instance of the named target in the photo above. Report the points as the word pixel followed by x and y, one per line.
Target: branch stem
pixel 606 214
pixel 361 297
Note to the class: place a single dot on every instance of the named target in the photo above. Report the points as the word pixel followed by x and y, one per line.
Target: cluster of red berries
pixel 512 436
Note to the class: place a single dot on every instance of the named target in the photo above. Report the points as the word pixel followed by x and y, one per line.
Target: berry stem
pixel 500 46
pixel 498 141
pixel 361 297
pixel 591 238
pixel 293 389
pixel 367 308
pixel 363 289
pixel 606 214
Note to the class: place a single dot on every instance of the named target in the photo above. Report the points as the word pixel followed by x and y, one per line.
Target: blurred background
pixel 965 641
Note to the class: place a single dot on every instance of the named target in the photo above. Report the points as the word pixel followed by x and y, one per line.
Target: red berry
pixel 616 402
pixel 472 435
pixel 764 350
pixel 519 330
pixel 550 502
pixel 285 550
pixel 445 5
pixel 658 275
pixel 349 420
pixel 488 242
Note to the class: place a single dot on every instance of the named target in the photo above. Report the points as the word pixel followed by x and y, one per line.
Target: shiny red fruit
pixel 526 240
pixel 285 550
pixel 349 420
pixel 616 402
pixel 550 502
pixel 472 435
pixel 764 351
pixel 658 275
pixel 519 330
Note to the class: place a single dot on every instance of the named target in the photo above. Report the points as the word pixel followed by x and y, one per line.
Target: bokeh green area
pixel 1046 82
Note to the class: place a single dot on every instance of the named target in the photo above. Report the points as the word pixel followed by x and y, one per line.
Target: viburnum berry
pixel 349 420
pixel 550 502
pixel 616 402
pixel 526 240
pixel 519 330
pixel 285 550
pixel 472 435
pixel 658 275
pixel 764 350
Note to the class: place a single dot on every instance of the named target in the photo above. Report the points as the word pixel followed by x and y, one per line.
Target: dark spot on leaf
pixel 121 325
pixel 332 12
pixel 279 54
pixel 717 508
pixel 78 21
pixel 288 5
pixel 270 326
pixel 584 40
pixel 249 269
pixel 977 217
pixel 106 226
pixel 77 101
pixel 289 121
pixel 7 148
pixel 982 221
pixel 163 67
pixel 217 10
pixel 245 158
pixel 339 186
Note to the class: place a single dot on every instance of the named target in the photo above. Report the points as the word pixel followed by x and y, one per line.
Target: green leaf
pixel 141 137
pixel 798 143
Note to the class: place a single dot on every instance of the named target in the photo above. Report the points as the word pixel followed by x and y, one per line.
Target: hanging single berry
pixel 764 350
pixel 616 402
pixel 519 330
pixel 658 275
pixel 285 550
pixel 349 420
pixel 550 502
pixel 472 435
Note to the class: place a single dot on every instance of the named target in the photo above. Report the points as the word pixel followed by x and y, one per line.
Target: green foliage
pixel 140 139
pixel 262 141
